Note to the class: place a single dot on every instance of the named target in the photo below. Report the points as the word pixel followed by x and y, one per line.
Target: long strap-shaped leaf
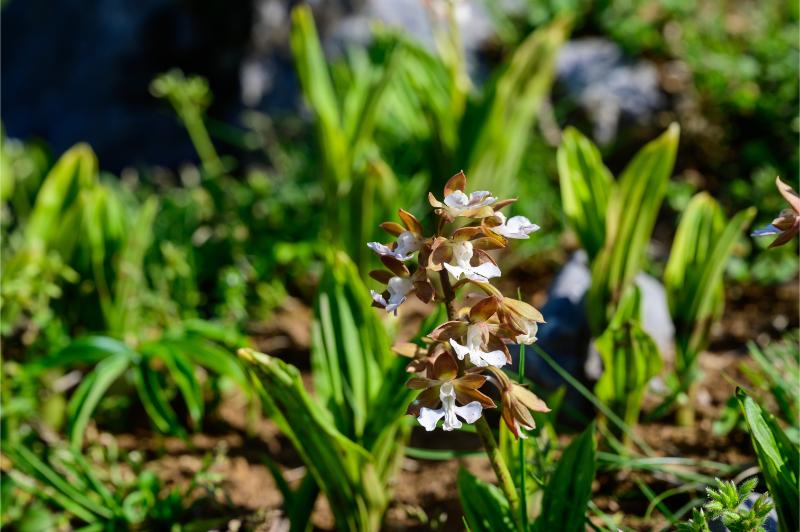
pixel 586 184
pixel 91 391
pixel 568 492
pixel 693 275
pixel 630 218
pixel 779 459
pixel 513 103
pixel 343 469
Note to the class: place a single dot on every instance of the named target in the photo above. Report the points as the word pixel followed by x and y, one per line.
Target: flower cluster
pixel 465 354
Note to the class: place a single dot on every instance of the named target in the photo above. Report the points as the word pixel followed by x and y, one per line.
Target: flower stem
pixel 449 295
pixel 500 468
pixel 482 427
pixel 523 495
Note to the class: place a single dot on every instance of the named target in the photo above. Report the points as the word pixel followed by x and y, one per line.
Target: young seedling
pixel 727 504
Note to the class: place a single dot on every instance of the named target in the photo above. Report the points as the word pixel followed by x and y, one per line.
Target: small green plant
pixel 160 369
pixel 693 279
pixel 778 457
pixel 613 220
pixel 109 494
pixel 351 433
pixel 630 358
pixel 727 504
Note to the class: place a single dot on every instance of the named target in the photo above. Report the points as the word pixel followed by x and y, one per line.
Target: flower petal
pixel 470 412
pixel 461 351
pixel 493 358
pixel 455 271
pixel 428 417
pixel 484 272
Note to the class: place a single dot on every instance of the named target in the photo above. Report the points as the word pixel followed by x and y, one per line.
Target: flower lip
pixel 407 244
pixel 458 201
pixel 398 289
pixel 460 266
pixel 429 417
pixel 475 351
pixel 518 227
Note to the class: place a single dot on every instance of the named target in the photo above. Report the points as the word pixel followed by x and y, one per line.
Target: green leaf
pixel 154 399
pixel 632 212
pixel 586 184
pixel 315 81
pixel 212 357
pixel 86 350
pixel 91 391
pixel 509 114
pixel 694 274
pixel 75 170
pixel 485 507
pixel 27 461
pixel 182 372
pixel 779 459
pixel 341 468
pixel 567 494
pixel 630 359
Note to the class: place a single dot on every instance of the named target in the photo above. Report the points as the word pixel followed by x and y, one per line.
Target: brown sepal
pixel 457 182
pixel 483 309
pixel 382 276
pixel 424 290
pixel 397 267
pixel 393 228
pixel 410 221
pixel 503 203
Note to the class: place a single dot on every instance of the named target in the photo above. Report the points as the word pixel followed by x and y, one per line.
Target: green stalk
pixel 500 468
pixel 523 502
pixel 482 427
pixel 196 128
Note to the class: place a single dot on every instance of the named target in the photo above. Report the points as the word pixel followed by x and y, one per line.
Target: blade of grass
pixel 593 399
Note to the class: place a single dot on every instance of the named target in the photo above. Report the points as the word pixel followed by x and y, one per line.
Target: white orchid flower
pixel 458 202
pixel 474 349
pixel 460 266
pixel 407 244
pixel 399 288
pixel 515 227
pixel 429 417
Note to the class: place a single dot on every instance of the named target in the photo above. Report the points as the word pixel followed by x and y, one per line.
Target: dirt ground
pixel 425 495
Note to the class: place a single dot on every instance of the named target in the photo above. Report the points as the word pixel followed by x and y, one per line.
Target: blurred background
pixel 177 170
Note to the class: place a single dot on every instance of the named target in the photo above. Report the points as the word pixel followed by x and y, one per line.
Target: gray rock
pixel 609 87
pixel 566 335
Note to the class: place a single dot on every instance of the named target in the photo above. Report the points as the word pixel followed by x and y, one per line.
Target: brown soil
pixel 425 495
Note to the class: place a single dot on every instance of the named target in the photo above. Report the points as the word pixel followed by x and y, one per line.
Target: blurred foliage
pixel 105 489
pixel 772 381
pixel 731 76
pixel 108 284
pixel 351 434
